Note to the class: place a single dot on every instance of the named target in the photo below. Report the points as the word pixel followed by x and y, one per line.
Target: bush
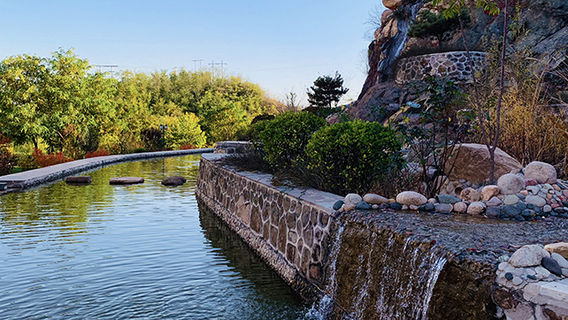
pixel 323 112
pixel 97 153
pixel 285 137
pixel 183 130
pixel 7 160
pixel 353 156
pixel 45 160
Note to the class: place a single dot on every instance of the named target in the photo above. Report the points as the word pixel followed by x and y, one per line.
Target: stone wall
pixel 451 65
pixel 287 227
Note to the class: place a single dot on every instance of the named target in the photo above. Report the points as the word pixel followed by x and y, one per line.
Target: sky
pixel 281 45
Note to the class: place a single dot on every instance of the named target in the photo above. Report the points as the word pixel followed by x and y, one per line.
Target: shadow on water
pixel 268 286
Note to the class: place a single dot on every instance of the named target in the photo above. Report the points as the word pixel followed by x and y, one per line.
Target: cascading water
pixel 393 48
pixel 378 275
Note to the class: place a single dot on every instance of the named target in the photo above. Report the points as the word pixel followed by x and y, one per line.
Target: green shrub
pixel 323 112
pixel 284 138
pixel 353 156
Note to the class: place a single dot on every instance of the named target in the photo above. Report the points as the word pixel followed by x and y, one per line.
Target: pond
pixel 130 252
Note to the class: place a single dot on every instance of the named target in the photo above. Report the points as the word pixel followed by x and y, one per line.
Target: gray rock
pixel 395 206
pixel 510 199
pixel 443 207
pixel 562 262
pixel 528 256
pixel 493 212
pixel 510 183
pixel 535 200
pixel 353 199
pixel 517 281
pixel 411 198
pixel 174 181
pixel 494 202
pixel 363 206
pixel 476 208
pixel 551 265
pixel 337 205
pixel 447 199
pixel 533 189
pixel 546 209
pixel 428 207
pixel 541 172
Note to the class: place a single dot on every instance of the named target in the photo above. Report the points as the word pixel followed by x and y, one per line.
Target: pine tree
pixel 326 91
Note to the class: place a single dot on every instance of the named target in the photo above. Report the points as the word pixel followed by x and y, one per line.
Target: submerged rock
pixel 126 180
pixel 78 179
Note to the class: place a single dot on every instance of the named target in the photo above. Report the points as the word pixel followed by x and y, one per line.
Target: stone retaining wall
pixel 287 227
pixel 452 65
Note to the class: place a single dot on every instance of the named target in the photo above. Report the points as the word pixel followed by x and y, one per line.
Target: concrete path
pixel 30 178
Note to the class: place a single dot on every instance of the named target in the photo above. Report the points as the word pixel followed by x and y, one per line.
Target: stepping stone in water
pixel 126 180
pixel 174 181
pixel 78 179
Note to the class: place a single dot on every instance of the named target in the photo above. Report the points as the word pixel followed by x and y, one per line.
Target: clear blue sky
pixel 281 45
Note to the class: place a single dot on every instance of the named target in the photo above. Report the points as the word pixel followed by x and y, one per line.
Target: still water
pixel 130 252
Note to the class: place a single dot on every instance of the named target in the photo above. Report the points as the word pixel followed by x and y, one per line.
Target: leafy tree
pixel 327 90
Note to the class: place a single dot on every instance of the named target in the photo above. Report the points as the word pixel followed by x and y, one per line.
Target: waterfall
pixel 378 276
pixel 394 47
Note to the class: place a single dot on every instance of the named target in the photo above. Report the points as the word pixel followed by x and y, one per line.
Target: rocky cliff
pixel 541 26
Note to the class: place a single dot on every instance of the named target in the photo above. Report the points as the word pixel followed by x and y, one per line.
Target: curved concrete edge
pixel 30 178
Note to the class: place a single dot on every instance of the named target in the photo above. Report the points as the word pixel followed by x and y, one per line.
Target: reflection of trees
pixel 241 258
pixel 68 206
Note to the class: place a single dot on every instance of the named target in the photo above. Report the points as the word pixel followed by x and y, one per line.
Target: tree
pixel 292 102
pixel 326 91
pixel 490 133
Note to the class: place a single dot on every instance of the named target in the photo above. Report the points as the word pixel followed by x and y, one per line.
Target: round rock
pixel 353 199
pixel 447 199
pixel 337 205
pixel 535 200
pixel 542 172
pixel 411 198
pixel 510 183
pixel 374 198
pixel 510 199
pixel 460 207
pixel 489 192
pixel 551 265
pixel 174 181
pixel 476 208
pixel 528 256
pixel 470 194
pixel 126 180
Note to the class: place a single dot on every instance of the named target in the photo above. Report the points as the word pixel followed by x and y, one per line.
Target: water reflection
pixel 122 252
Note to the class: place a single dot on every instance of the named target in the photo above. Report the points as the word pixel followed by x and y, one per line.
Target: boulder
pixel 126 180
pixel 562 262
pixel 174 181
pixel 352 199
pixel 472 163
pixel 560 247
pixel 542 172
pixel 78 179
pixel 392 4
pixel 476 208
pixel 470 194
pixel 511 183
pixel 411 198
pixel 374 199
pixel 489 192
pixel 528 256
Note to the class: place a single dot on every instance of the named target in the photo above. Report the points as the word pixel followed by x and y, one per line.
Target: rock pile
pixel 532 193
pixel 533 283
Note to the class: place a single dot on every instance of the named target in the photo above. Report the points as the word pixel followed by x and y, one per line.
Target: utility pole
pixel 221 65
pixel 106 66
pixel 195 61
